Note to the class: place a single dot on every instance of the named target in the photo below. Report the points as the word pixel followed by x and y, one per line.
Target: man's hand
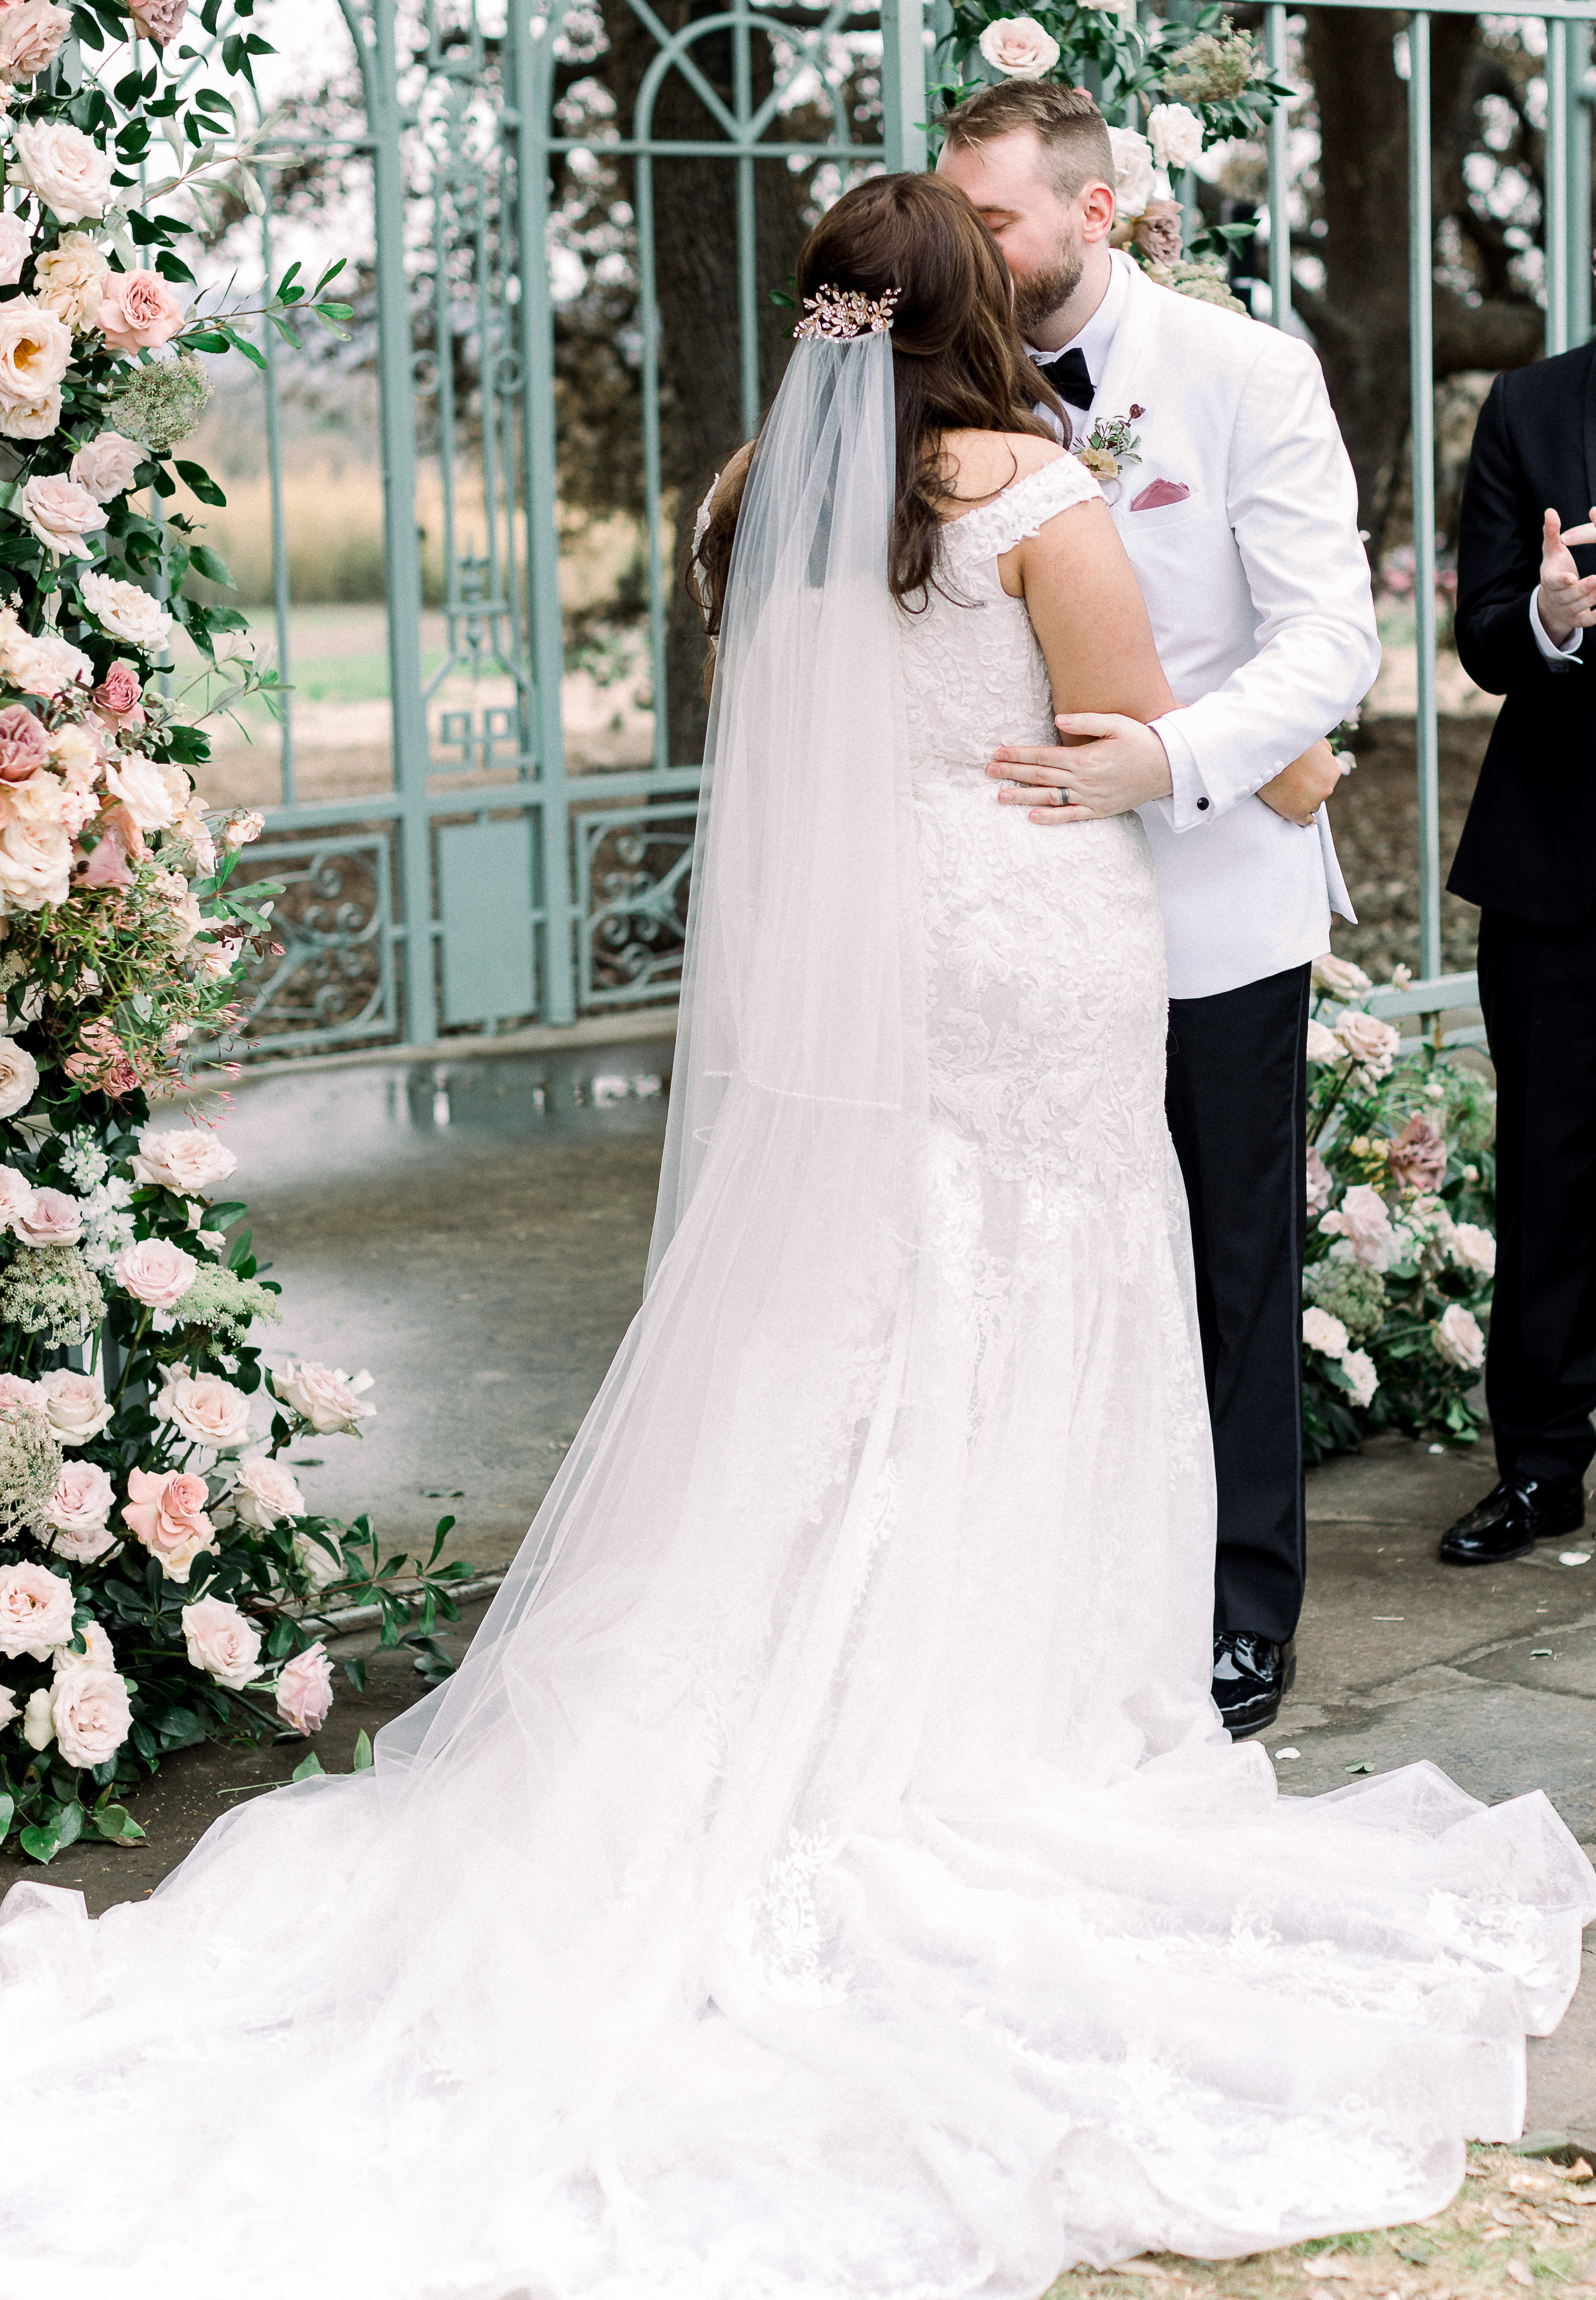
pixel 1107 764
pixel 1567 605
pixel 1300 790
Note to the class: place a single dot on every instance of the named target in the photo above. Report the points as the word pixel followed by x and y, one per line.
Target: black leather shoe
pixel 1512 1518
pixel 1251 1678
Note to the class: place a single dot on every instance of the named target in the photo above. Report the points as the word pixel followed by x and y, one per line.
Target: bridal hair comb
pixel 839 315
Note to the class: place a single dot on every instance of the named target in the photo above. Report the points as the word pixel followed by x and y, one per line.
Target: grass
pixel 1518 2224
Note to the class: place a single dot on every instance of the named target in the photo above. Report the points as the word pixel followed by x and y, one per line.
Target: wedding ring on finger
pixel 1060 796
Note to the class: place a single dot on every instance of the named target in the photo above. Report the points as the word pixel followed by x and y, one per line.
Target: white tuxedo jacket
pixel 1258 591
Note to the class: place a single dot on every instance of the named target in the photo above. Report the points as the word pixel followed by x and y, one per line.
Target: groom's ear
pixel 1095 202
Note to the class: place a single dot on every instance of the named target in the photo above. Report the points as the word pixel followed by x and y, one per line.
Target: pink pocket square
pixel 1160 493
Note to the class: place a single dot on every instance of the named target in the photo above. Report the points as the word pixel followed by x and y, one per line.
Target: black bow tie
pixel 1067 372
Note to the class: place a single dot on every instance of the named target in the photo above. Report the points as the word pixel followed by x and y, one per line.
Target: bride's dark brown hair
pixel 958 361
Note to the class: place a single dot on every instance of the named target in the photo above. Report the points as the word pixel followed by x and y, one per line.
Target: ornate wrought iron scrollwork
pixel 335 978
pixel 635 864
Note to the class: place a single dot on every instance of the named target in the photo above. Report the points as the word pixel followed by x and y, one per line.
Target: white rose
pixel 1176 136
pixel 1338 976
pixel 35 1611
pixel 91 1714
pixel 1372 1044
pixel 53 664
pixel 65 168
pixel 329 1400
pixel 16 242
pixel 19 1078
pixel 38 1721
pixel 222 1643
pixel 141 788
pixel 206 1410
pixel 1360 1366
pixel 1459 1339
pixel 319 1563
pixel 1323 1045
pixel 188 1159
pixel 9 1709
pixel 266 1496
pixel 1324 1333
pixel 36 866
pixel 1018 47
pixel 69 280
pixel 1133 171
pixel 75 1404
pixel 97 1653
pixel 125 611
pixel 1473 1248
pixel 30 419
pixel 105 468
pixel 60 512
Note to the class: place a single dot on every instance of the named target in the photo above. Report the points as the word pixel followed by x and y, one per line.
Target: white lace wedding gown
pixel 847 1892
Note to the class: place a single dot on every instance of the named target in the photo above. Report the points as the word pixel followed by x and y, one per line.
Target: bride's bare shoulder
pixel 978 464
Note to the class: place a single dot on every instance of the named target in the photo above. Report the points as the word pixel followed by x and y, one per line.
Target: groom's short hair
pixel 1072 132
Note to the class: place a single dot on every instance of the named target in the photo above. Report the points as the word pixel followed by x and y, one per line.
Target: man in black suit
pixel 1526 595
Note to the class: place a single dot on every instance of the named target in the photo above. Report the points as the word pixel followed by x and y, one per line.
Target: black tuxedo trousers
pixel 1234 1099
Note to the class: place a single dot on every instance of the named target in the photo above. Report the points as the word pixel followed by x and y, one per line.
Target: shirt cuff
pixel 1190 802
pixel 1560 658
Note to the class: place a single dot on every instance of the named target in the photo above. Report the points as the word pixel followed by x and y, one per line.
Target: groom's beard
pixel 1040 294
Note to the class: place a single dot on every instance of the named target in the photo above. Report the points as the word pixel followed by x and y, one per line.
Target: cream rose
pixel 69 280
pixel 30 418
pixel 166 1512
pixel 1177 134
pixel 19 1078
pixel 89 1709
pixel 31 34
pixel 304 1690
pixel 1338 976
pixel 53 664
pixel 35 350
pixel 1363 1220
pixel 155 1272
pixel 1359 1369
pixel 16 1195
pixel 329 1400
pixel 222 1643
pixel 1324 1333
pixel 1323 1045
pixel 16 241
pixel 67 169
pixel 266 1496
pixel 10 1710
pixel 35 1611
pixel 97 1652
pixel 204 1409
pixel 188 1159
pixel 51 1219
pixel 125 611
pixel 1372 1044
pixel 1459 1339
pixel 1018 47
pixel 75 1404
pixel 322 1567
pixel 105 468
pixel 36 866
pixel 141 788
pixel 1133 171
pixel 38 1721
pixel 1473 1248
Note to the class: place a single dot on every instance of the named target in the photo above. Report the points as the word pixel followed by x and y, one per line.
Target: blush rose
pixel 35 1611
pixel 155 1272
pixel 75 1404
pixel 138 312
pixel 166 1512
pixel 304 1690
pixel 90 1712
pixel 222 1643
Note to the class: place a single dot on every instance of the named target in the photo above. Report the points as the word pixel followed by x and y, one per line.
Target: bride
pixel 827 1878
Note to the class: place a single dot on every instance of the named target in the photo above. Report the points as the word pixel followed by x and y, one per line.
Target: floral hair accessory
pixel 838 315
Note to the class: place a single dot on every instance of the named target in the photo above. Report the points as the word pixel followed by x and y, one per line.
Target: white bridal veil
pixel 764 1912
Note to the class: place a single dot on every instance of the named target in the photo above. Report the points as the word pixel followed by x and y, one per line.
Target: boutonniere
pixel 1110 446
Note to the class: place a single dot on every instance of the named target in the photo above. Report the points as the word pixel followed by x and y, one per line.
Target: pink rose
pixel 222 1643
pixel 51 1219
pixel 1418 1155
pixel 304 1690
pixel 158 21
pixel 1372 1044
pixel 204 1409
pixel 35 1611
pixel 155 1272
pixel 90 1707
pixel 1319 1184
pixel 102 1061
pixel 16 1195
pixel 1363 1221
pixel 24 746
pixel 166 1512
pixel 138 312
pixel 107 866
pixel 16 1391
pixel 104 469
pixel 30 38
pixel 118 696
pixel 15 242
pixel 81 1509
pixel 84 1548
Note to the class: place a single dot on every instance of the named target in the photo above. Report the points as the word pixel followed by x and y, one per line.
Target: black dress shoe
pixel 1251 1677
pixel 1512 1518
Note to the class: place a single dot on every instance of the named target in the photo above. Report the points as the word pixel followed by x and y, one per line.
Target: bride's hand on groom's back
pixel 1108 765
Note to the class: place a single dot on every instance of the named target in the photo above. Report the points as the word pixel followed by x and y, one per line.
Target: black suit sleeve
pixel 1499 561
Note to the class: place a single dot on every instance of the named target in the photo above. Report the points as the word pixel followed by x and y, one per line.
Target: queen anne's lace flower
pixel 29 1466
pixel 50 1291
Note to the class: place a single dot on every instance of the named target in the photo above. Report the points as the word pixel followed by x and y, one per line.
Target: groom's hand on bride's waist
pixel 1107 766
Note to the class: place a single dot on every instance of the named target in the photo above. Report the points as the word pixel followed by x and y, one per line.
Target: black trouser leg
pixel 1236 1104
pixel 1538 992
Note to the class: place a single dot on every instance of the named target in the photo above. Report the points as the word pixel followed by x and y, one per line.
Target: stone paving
pixel 474 1230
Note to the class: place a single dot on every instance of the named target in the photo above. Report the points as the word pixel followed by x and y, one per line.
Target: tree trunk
pixel 695 279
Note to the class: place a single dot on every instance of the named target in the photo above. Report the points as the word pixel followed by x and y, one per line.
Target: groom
pixel 1241 521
